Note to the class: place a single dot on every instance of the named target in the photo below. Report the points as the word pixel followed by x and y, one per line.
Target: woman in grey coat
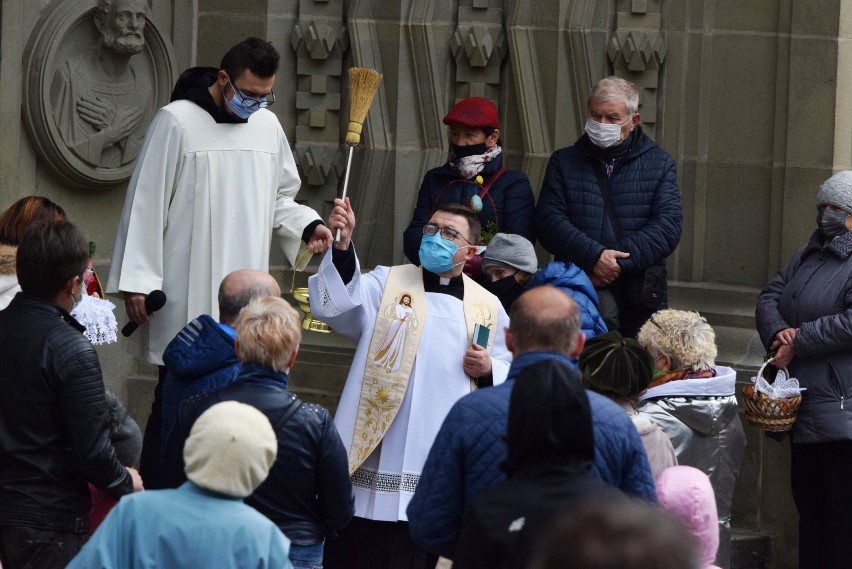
pixel 805 315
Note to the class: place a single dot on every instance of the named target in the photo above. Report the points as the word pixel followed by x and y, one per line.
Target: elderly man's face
pixel 613 112
pixel 124 27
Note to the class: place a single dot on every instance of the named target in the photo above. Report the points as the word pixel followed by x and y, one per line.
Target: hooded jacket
pixel 550 449
pixel 658 447
pixel 687 493
pixel 200 358
pixel 571 279
pixel 701 418
pixel 465 458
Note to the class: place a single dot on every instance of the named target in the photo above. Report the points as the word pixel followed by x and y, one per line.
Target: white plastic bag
pixel 783 387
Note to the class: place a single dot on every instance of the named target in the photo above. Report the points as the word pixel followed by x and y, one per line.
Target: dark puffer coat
pixel 813 293
pixel 509 202
pixel 572 222
pixel 470 446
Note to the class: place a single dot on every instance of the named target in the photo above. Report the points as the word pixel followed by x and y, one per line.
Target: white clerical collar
pixel 443 281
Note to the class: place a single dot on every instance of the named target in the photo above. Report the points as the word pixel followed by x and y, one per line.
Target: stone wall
pixel 751 98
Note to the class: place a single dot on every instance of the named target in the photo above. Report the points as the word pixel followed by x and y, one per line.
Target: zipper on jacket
pixel 835 379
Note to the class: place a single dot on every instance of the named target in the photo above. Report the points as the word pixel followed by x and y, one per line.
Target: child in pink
pixel 686 492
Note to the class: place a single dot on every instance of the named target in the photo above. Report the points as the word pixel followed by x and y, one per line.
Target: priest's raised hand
pixel 343 218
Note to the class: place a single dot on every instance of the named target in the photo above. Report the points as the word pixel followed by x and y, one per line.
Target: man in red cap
pixel 474 176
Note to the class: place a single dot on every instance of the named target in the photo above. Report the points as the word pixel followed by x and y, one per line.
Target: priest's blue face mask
pixel 438 248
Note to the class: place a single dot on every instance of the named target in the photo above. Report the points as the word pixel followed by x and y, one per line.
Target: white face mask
pixel 76 300
pixel 604 135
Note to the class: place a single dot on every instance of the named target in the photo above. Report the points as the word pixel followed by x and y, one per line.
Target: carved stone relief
pixel 319 40
pixel 637 50
pixel 479 47
pixel 96 73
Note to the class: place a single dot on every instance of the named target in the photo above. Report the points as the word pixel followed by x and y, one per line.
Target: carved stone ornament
pixel 93 81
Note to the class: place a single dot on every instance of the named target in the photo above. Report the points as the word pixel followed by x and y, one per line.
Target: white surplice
pixel 204 200
pixel 386 481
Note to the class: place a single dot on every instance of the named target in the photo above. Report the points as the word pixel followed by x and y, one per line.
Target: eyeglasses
pixel 447 233
pixel 251 102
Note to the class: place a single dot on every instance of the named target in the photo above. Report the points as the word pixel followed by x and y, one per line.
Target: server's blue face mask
pixel 244 106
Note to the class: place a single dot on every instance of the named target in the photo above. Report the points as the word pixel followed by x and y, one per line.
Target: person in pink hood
pixel 687 493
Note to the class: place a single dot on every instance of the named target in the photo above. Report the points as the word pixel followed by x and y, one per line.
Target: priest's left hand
pixel 477 362
pixel 321 240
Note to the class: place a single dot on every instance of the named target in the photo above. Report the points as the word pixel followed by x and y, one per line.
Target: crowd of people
pixel 496 414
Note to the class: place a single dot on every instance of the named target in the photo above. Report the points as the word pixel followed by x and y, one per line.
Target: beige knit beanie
pixel 230 449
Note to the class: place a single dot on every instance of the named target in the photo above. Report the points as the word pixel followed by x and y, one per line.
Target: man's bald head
pixel 239 287
pixel 545 319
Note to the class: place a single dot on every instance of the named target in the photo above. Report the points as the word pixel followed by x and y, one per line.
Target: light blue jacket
pixel 184 527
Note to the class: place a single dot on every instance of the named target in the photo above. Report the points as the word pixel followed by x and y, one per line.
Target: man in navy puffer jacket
pixel 201 357
pixel 573 222
pixel 470 447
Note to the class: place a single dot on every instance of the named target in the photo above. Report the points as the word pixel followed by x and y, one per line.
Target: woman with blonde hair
pixel 692 400
pixel 308 493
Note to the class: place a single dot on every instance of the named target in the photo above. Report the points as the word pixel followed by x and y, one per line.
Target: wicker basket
pixel 777 415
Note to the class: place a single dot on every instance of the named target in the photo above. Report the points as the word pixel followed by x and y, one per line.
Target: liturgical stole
pixel 393 348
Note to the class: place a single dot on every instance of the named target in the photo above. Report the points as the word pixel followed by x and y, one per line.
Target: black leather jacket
pixel 53 420
pixel 308 493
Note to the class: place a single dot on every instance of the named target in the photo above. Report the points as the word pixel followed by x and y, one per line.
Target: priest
pixel 416 356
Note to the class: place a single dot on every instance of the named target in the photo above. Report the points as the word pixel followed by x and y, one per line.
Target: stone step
pixel 750 550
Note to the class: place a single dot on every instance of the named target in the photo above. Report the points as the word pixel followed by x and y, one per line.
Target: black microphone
pixel 153 302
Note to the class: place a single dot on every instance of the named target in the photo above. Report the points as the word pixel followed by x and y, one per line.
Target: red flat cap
pixel 475 112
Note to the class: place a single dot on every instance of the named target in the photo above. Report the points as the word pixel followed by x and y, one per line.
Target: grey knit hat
pixel 510 250
pixel 837 191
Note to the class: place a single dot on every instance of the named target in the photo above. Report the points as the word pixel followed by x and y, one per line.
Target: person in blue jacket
pixel 470 446
pixel 474 176
pixel 200 358
pixel 204 522
pixel 510 265
pixel 610 204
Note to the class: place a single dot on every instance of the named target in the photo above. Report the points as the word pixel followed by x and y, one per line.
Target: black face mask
pixel 470 150
pixel 831 223
pixel 507 290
